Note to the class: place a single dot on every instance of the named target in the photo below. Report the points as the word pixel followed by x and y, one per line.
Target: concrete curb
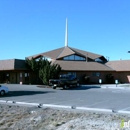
pixel 21 103
pixel 66 107
pixel 3 101
pixel 25 103
pixel 124 112
pixel 94 109
pixel 59 106
pixel 10 101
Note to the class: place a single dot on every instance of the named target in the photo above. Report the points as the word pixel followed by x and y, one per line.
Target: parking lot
pixel 85 96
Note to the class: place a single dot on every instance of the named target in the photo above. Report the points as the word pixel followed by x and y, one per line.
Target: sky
pixel 29 27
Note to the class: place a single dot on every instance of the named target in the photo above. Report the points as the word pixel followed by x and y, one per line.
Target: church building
pixel 81 63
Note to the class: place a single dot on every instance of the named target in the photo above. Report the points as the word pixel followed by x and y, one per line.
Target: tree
pixel 44 68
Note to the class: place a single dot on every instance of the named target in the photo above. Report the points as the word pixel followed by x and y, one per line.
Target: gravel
pixel 14 117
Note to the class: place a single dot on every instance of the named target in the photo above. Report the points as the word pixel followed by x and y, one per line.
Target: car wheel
pixel 78 84
pixel 53 87
pixel 2 93
pixel 65 86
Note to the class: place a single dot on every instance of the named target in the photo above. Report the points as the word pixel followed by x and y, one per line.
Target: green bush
pixel 44 69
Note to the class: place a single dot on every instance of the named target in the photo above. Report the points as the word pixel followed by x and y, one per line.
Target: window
pixel 71 57
pixel 98 60
pixel 66 58
pixel 72 73
pixel 20 75
pixel 77 57
pixel 46 58
pixel 97 74
pixel 26 76
pixel 7 75
pixel 74 57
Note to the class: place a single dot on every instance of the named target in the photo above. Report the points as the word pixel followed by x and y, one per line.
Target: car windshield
pixel 64 77
pixel 71 77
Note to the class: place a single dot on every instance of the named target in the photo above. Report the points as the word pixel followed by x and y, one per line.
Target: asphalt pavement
pixel 109 97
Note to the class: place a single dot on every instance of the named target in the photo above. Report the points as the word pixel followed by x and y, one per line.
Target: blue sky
pixel 29 27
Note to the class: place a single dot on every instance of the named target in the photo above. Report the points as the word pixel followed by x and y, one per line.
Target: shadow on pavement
pixel 83 87
pixel 23 93
pixel 44 86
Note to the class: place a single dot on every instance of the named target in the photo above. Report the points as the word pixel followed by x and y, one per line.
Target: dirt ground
pixel 14 117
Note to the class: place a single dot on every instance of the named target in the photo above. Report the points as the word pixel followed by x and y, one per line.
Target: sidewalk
pixel 109 86
pixel 118 86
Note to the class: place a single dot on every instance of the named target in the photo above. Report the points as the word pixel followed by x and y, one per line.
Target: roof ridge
pixel 78 52
pixel 118 60
pixel 60 52
pixel 86 51
pixel 63 52
pixel 87 54
pixel 44 53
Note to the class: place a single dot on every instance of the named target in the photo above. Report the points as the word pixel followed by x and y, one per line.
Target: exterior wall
pixel 123 77
pixel 28 77
pixel 34 78
pixel 94 76
pixel 14 77
pixel 4 77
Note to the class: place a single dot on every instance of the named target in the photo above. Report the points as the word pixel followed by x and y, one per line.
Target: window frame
pixel 75 58
pixel 96 74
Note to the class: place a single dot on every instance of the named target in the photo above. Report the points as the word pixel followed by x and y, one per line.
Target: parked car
pixel 64 81
pixel 3 90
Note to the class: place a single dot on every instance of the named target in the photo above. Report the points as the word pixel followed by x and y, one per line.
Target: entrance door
pixel 6 77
